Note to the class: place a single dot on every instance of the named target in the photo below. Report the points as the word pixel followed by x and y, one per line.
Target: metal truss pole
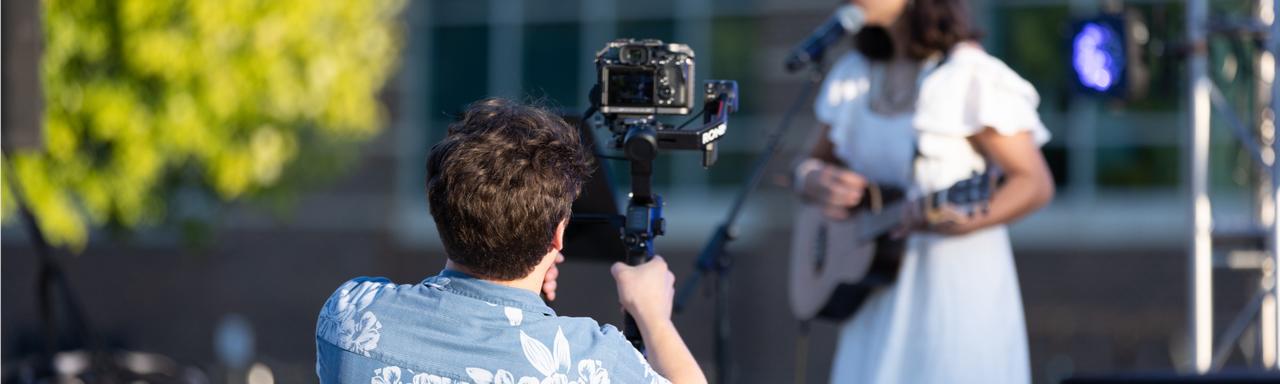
pixel 1200 293
pixel 1266 203
pixel 1268 118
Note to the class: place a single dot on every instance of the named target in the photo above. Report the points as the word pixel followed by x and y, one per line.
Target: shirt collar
pixel 489 292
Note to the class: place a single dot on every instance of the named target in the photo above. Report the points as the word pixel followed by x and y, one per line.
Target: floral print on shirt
pixel 344 320
pixel 459 330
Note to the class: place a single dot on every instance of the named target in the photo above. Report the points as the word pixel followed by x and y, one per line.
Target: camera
pixel 639 80
pixel 645 77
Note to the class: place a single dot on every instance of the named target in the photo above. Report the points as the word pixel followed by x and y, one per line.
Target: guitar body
pixel 837 264
pixel 832 270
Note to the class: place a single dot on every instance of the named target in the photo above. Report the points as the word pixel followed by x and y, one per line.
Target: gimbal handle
pixel 644 137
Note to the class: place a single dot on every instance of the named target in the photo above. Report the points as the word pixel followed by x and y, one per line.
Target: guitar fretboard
pixel 875 224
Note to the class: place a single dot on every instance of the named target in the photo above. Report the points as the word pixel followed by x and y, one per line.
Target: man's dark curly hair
pixel 933 26
pixel 501 182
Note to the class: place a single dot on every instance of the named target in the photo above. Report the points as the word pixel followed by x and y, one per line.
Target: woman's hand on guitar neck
pixel 946 220
pixel 1027 185
pixel 834 187
pixel 952 221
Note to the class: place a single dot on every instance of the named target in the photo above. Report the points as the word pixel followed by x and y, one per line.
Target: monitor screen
pixel 630 87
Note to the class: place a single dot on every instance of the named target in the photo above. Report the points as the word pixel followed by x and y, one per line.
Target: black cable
pixel 610 157
pixel 692 119
pixel 51 277
pixel 592 110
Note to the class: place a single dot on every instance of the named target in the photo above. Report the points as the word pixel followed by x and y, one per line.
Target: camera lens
pixel 634 55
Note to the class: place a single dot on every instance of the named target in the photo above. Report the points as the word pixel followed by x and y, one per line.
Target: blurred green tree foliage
pixel 234 98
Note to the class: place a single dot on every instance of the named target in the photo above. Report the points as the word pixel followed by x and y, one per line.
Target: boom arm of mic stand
pixel 713 257
pixel 708 259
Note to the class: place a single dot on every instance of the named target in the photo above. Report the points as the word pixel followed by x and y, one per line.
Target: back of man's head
pixel 501 182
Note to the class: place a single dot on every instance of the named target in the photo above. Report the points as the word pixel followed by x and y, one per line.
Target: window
pixel 552 60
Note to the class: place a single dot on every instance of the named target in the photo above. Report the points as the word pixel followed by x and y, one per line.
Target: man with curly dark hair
pixel 500 187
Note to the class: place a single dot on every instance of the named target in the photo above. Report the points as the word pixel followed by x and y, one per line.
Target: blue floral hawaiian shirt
pixel 453 328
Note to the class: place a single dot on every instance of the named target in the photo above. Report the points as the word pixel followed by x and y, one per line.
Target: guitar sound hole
pixel 820 249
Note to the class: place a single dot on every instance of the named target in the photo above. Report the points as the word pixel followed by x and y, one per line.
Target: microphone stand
pixel 714 258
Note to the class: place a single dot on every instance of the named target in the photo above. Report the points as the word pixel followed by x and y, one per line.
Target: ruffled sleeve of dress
pixel 974 90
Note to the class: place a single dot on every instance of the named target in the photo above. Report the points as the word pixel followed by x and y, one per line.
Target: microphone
pixel 847 20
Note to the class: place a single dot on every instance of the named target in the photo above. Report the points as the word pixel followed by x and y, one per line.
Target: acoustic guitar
pixel 837 264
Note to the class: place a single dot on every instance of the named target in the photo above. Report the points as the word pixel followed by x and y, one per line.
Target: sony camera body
pixel 645 77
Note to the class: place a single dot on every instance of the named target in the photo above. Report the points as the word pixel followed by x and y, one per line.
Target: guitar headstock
pixel 976 189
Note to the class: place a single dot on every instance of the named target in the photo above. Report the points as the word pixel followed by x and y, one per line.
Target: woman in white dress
pixel 919 104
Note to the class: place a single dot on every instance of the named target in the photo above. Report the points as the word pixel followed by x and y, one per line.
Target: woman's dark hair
pixel 501 182
pixel 933 26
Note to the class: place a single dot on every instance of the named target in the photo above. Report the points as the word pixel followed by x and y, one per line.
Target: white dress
pixel 955 313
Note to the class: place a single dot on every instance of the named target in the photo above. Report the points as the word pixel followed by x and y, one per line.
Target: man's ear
pixel 557 242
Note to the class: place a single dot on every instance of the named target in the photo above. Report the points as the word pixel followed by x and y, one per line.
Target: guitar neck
pixel 974 190
pixel 891 216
